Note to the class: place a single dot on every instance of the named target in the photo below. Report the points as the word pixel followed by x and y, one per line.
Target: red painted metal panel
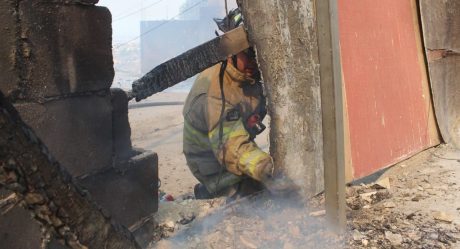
pixel 383 77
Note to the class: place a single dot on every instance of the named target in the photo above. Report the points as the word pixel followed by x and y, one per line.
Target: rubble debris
pixel 442 216
pixel 376 218
pixel 368 196
pixel 263 222
pixel 357 235
pixel 363 196
pixel 260 222
pixel 8 203
pixel 389 204
pixel 382 225
pixel 394 238
pixel 295 231
pixel 288 245
pixel 318 213
pixel 164 196
pixel 247 243
pixel 186 218
pixel 170 224
pixel 383 183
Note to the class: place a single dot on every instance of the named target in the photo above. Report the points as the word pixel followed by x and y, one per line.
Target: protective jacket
pixel 219 146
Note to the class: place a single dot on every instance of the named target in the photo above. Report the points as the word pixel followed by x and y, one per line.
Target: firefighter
pixel 223 113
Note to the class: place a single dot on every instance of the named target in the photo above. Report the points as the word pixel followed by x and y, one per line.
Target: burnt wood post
pixel 332 109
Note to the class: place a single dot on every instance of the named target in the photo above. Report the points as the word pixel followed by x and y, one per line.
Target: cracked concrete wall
pixel 284 35
pixel 53 52
pixel 51 61
pixel 56 67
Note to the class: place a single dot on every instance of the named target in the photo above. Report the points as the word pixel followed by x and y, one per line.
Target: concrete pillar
pixel 284 35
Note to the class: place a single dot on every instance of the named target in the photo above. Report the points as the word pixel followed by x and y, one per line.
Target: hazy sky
pixel 126 15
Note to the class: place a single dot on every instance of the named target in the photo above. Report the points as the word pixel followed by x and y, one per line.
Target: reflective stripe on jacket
pixel 204 151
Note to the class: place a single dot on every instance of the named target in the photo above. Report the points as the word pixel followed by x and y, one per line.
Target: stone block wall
pixel 77 130
pixel 56 49
pixel 56 67
pixel 131 183
pixel 121 130
pixel 14 222
pixel 9 49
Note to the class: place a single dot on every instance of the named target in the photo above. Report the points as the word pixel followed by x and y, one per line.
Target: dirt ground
pixel 416 203
pixel 159 129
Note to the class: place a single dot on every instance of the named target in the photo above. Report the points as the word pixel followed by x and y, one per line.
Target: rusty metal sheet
pixel 441 31
pixel 387 92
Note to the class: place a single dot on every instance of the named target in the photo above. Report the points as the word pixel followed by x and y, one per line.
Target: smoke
pixel 218 7
pixel 261 221
pixel 219 4
pixel 207 9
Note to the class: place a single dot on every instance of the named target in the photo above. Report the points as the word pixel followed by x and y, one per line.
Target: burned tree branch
pixel 190 63
pixel 48 191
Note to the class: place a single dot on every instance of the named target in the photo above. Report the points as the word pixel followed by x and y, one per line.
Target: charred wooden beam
pixel 49 192
pixel 190 63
